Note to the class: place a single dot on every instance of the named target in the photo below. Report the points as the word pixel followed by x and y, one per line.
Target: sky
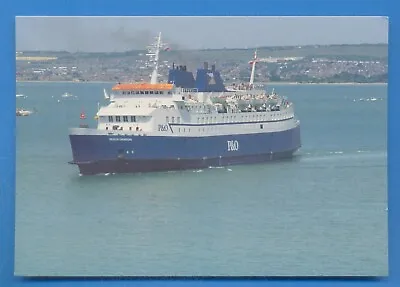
pixel 116 34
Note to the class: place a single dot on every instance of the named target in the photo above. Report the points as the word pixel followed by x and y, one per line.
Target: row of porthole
pixel 144 93
pixel 261 126
pixel 121 128
pixel 125 119
pixel 239 122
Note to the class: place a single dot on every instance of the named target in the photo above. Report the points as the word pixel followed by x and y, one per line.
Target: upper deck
pixel 143 87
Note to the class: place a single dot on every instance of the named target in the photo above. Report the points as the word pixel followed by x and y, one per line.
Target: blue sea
pixel 324 212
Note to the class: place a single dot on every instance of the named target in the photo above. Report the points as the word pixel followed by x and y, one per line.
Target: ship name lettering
pixel 120 139
pixel 233 145
pixel 162 128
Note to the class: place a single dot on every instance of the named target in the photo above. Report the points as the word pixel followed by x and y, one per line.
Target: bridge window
pixel 117 118
pixel 161 92
pixel 156 92
pixel 173 119
pixel 110 119
pixel 169 93
pixel 178 120
pixel 261 126
pixel 133 119
pixel 167 119
pixel 146 92
pixel 125 118
pixel 151 92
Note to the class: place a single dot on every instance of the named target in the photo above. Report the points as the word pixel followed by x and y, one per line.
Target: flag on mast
pixel 82 116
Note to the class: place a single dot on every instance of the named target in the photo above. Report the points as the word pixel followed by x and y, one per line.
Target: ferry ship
pixel 185 123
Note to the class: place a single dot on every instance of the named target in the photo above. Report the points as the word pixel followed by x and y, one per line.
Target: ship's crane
pixel 266 60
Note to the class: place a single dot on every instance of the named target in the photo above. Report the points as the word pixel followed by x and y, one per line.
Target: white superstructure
pixel 161 109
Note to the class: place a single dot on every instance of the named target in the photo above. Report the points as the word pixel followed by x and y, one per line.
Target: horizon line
pixel 206 49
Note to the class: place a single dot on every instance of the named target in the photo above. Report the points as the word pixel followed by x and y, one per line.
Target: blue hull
pixel 128 154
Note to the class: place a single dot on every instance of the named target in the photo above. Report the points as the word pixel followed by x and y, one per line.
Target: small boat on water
pixel 20 96
pixel 23 113
pixel 66 95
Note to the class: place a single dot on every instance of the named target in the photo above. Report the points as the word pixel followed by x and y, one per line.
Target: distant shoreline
pixel 327 84
pixel 266 83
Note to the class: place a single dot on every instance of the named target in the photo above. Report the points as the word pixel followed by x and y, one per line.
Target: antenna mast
pixel 253 69
pixel 153 53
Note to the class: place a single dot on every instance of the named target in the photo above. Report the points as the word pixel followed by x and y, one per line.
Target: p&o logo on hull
pixel 233 145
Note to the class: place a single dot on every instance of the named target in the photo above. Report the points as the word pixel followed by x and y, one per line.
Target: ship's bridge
pixel 124 118
pixel 125 111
